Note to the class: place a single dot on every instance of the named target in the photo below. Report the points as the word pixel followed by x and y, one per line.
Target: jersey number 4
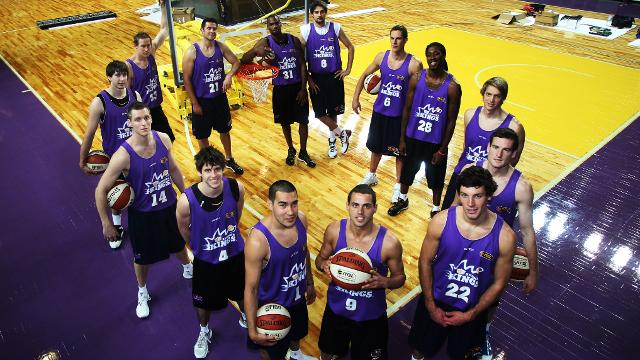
pixel 161 198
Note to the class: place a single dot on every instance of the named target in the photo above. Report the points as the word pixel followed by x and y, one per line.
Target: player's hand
pixel 457 318
pixel 313 87
pixel 262 339
pixel 355 105
pixel 437 315
pixel 325 266
pixel 402 147
pixel 302 98
pixel 311 293
pixel 341 74
pixel 196 108
pixel 530 283
pixel 437 158
pixel 85 169
pixel 109 232
pixel 376 281
pixel 226 84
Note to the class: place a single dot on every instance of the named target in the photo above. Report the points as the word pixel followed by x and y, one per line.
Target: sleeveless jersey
pixel 114 125
pixel 463 269
pixel 146 82
pixel 215 235
pixel 393 87
pixel 504 204
pixel 323 51
pixel 428 116
pixel 360 305
pixel 208 72
pixel 283 280
pixel 476 141
pixel 287 61
pixel 150 178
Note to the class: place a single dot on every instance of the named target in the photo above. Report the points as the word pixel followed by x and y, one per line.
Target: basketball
pixel 520 265
pixel 273 320
pixel 120 196
pixel 372 84
pixel 350 268
pixel 97 161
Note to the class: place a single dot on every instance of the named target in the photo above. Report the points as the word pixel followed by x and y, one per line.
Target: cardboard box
pixel 548 18
pixel 511 17
pixel 183 14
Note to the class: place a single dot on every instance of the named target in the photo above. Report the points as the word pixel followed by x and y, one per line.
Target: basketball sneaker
pixel 305 158
pixel 201 348
pixel 299 355
pixel 398 207
pixel 291 157
pixel 332 149
pixel 370 179
pixel 487 351
pixel 142 310
pixel 233 165
pixel 395 195
pixel 116 243
pixel 243 320
pixel 344 140
pixel 187 271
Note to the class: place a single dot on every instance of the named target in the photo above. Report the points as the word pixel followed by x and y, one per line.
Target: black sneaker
pixel 233 165
pixel 291 157
pixel 398 207
pixel 305 158
pixel 118 241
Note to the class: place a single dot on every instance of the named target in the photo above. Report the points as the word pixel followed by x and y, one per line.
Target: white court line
pixel 552 149
pixel 357 12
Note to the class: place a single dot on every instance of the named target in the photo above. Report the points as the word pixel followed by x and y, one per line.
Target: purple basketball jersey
pixel 114 125
pixel 428 115
pixel 146 82
pixel 323 51
pixel 393 87
pixel 208 72
pixel 504 203
pixel 286 60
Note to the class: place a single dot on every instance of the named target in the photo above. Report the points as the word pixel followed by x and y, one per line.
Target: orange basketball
pixel 520 265
pixel 120 196
pixel 97 161
pixel 350 268
pixel 273 319
pixel 372 84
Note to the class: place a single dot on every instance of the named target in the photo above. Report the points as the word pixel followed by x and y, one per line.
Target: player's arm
pixel 162 35
pixel 302 97
pixel 258 49
pixel 240 200
pixel 129 75
pixel 352 50
pixel 519 129
pixel 96 109
pixel 373 67
pixel 174 170
pixel 425 264
pixel 183 215
pixel 188 60
pixel 524 198
pixel 235 65
pixel 311 289
pixel 392 256
pixel 415 66
pixel 413 81
pixel 454 96
pixel 328 245
pixel 119 162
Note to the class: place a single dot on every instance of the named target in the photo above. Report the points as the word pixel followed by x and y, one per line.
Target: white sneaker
pixel 187 271
pixel 201 348
pixel 299 355
pixel 142 310
pixel 396 193
pixel 332 149
pixel 344 140
pixel 243 320
pixel 116 244
pixel 370 179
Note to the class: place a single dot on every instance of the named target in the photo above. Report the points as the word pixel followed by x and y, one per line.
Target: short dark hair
pixel 442 49
pixel 116 67
pixel 498 83
pixel 317 3
pixel 402 29
pixel 280 185
pixel 139 36
pixel 209 156
pixel 476 176
pixel 272 16
pixel 137 105
pixel 362 189
pixel 506 133
pixel 207 20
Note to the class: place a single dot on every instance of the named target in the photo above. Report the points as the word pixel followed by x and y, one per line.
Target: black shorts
pixel 286 109
pixel 418 152
pixel 368 338
pixel 464 341
pixel 384 134
pixel 215 115
pixel 215 284
pixel 299 329
pixel 452 189
pixel 329 101
pixel 154 235
pixel 160 122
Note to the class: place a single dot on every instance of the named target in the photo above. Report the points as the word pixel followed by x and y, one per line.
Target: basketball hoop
pixel 258 78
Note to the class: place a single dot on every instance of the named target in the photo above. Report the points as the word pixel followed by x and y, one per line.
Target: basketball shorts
pixel 368 338
pixel 299 329
pixel 215 115
pixel 329 101
pixel 154 234
pixel 417 153
pixel 384 134
pixel 463 342
pixel 286 109
pixel 160 122
pixel 215 284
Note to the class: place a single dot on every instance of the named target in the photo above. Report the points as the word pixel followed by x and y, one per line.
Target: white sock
pixel 332 135
pixel 397 186
pixel 403 196
pixel 142 289
pixel 187 265
pixel 415 358
pixel 435 208
pixel 487 328
pixel 117 219
pixel 294 353
pixel 337 131
pixel 204 329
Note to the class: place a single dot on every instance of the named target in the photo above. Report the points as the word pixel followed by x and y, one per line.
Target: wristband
pixel 441 153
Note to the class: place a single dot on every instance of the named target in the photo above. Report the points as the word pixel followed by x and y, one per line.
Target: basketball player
pixel 209 219
pixel 143 73
pixel 359 317
pixel 479 123
pixel 428 122
pixel 290 101
pixel 145 160
pixel 326 83
pixel 206 84
pixel 109 110
pixel 464 265
pixel 396 66
pixel 278 270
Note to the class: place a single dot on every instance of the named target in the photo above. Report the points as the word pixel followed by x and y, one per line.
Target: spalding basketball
pixel 350 268
pixel 120 196
pixel 520 265
pixel 97 161
pixel 273 320
pixel 372 84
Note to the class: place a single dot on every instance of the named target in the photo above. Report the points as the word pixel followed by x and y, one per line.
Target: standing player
pixel 278 269
pixel 109 110
pixel 146 161
pixel 464 265
pixel 143 73
pixel 396 66
pixel 326 83
pixel 428 122
pixel 360 317
pixel 209 219
pixel 206 84
pixel 290 101
pixel 479 123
